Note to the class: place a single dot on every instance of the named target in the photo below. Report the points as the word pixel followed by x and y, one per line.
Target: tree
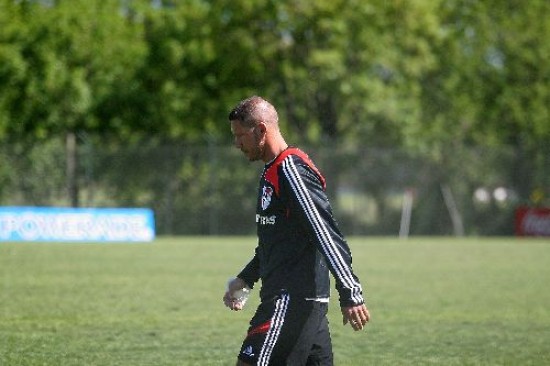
pixel 69 58
pixel 491 85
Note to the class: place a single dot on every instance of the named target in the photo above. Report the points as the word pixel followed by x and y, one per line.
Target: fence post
pixel 456 218
pixel 406 214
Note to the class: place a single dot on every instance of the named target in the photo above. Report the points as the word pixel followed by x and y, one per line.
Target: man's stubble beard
pixel 258 151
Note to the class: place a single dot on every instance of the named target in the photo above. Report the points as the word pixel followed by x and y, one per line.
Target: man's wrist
pixel 351 303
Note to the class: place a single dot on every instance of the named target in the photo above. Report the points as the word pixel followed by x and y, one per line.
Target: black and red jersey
pixel 299 241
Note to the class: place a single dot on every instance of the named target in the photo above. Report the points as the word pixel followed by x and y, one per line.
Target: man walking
pixel 299 243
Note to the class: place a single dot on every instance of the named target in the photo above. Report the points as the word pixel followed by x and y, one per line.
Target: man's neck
pixel 274 150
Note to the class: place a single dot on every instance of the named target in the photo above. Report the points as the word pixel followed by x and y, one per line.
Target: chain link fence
pixel 210 188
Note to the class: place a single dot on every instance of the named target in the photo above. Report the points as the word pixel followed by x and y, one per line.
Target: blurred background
pixel 427 117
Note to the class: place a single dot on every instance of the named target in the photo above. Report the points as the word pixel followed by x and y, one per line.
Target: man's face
pixel 247 140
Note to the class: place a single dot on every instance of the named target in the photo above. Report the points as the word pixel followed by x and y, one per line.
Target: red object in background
pixel 533 221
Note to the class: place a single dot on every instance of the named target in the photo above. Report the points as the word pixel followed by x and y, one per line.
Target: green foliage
pixel 487 87
pixel 69 59
pixel 433 302
pixel 419 74
pixel 41 184
pixel 427 76
pixel 192 189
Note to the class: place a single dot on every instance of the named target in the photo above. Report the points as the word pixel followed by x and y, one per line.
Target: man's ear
pixel 260 130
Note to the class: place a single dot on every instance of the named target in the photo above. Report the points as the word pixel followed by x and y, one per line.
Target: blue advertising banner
pixel 76 224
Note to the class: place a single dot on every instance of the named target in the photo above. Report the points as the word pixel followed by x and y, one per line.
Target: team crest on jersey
pixel 267 193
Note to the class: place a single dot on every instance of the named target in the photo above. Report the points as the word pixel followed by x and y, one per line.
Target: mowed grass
pixel 434 301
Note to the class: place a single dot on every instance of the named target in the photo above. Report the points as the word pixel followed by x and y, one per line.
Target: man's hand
pixel 357 316
pixel 232 303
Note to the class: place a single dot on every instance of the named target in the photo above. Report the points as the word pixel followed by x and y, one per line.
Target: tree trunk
pixel 72 167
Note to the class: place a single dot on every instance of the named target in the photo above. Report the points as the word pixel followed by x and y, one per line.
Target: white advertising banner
pixel 76 224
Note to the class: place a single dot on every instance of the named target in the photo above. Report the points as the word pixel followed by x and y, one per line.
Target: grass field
pixel 434 301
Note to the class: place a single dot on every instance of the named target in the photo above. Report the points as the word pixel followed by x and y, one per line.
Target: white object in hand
pixel 241 295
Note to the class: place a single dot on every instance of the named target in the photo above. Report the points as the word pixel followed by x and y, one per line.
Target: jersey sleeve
pixel 310 205
pixel 251 272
